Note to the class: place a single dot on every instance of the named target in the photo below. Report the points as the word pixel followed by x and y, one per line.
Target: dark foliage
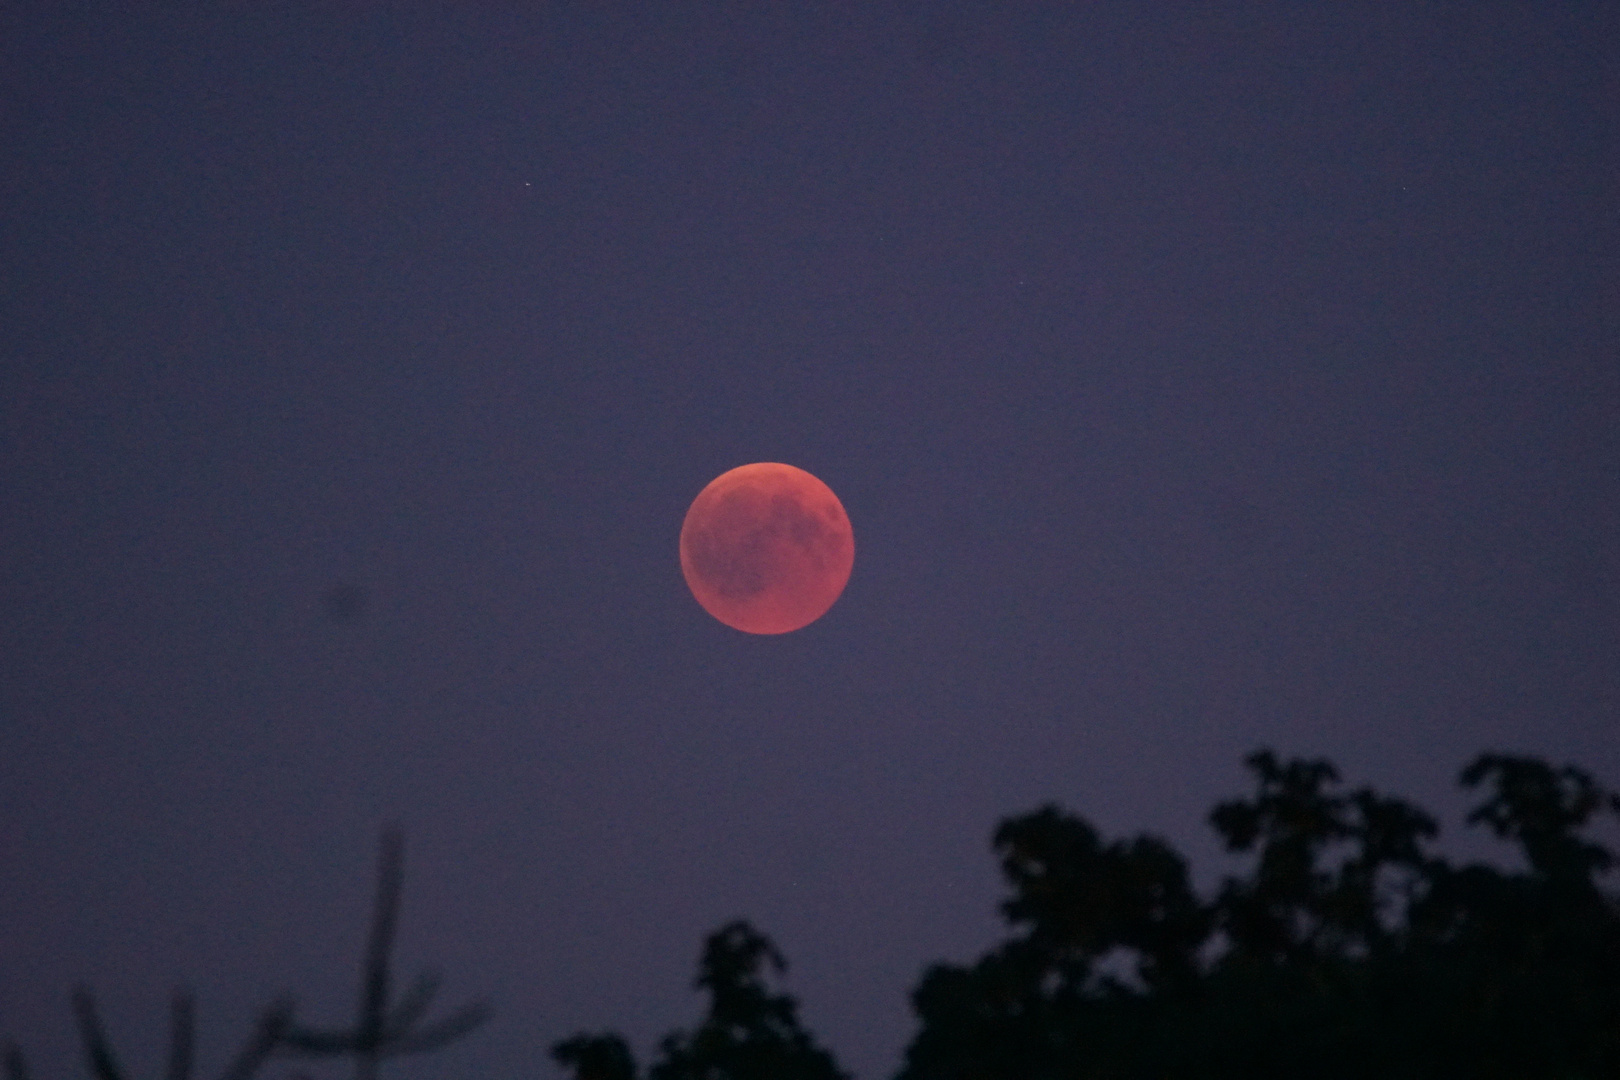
pixel 1347 951
pixel 596 1057
pixel 750 1033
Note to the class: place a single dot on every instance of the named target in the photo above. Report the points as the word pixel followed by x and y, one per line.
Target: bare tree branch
pixel 413 1005
pixel 384 924
pixel 267 1035
pixel 16 1063
pixel 444 1032
pixel 380 1031
pixel 182 1034
pixel 96 1048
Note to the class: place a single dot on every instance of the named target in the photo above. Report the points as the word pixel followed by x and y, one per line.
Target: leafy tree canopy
pixel 1347 948
pixel 751 1032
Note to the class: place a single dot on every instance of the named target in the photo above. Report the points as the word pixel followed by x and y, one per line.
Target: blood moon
pixel 766 548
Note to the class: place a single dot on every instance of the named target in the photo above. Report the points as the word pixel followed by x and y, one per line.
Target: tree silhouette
pixel 1347 950
pixel 1541 809
pixel 380 1030
pixel 596 1057
pixel 751 1031
pixel 1298 908
pixel 272 1025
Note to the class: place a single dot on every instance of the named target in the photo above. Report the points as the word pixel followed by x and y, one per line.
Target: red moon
pixel 766 548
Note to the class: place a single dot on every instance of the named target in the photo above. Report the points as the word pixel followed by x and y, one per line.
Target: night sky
pixel 1194 382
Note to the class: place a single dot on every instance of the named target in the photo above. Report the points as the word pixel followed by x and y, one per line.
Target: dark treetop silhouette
pixel 750 1033
pixel 380 1030
pixel 1348 951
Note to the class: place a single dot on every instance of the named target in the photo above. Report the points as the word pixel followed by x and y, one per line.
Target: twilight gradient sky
pixel 1194 382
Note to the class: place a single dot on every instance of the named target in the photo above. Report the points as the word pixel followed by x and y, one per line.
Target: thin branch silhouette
pixel 16 1063
pixel 182 1034
pixel 381 1031
pixel 272 1024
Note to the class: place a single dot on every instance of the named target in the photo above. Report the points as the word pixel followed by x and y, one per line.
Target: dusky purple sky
pixel 1194 382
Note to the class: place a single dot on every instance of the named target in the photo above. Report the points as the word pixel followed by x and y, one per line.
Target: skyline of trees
pixel 1348 949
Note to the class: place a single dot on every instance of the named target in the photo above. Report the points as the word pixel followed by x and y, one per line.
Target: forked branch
pixel 272 1025
pixel 380 1030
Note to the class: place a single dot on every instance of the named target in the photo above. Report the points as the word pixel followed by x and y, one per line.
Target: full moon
pixel 766 548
